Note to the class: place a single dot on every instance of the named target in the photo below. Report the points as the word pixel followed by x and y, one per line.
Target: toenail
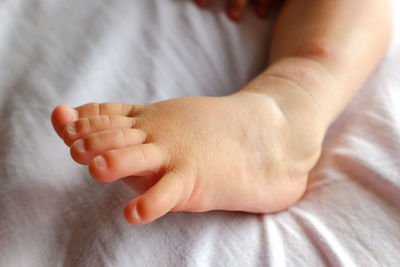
pixel 100 162
pixel 80 145
pixel 71 128
pixel 135 213
pixel 74 113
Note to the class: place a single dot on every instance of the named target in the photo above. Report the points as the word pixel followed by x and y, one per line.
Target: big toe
pixel 61 116
pixel 161 198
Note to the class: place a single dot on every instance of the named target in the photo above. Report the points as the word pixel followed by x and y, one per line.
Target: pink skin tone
pixel 163 152
pixel 250 151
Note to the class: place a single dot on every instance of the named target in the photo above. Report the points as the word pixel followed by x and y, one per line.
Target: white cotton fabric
pixel 140 51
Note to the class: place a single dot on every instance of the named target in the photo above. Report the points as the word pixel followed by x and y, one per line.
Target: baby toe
pixel 96 109
pixel 129 161
pixel 82 127
pixel 61 116
pixel 83 150
pixel 157 201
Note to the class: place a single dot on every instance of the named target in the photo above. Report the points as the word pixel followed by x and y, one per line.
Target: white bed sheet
pixel 71 51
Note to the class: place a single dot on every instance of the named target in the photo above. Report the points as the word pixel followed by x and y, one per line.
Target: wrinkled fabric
pixel 71 51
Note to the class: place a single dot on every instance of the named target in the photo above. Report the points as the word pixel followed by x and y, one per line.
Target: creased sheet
pixel 71 51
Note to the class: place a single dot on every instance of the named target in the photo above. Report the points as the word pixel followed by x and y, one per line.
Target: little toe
pixel 84 126
pixel 157 201
pixel 83 150
pixel 61 116
pixel 129 161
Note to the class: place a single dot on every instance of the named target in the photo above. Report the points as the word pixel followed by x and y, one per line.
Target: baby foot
pixel 191 154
